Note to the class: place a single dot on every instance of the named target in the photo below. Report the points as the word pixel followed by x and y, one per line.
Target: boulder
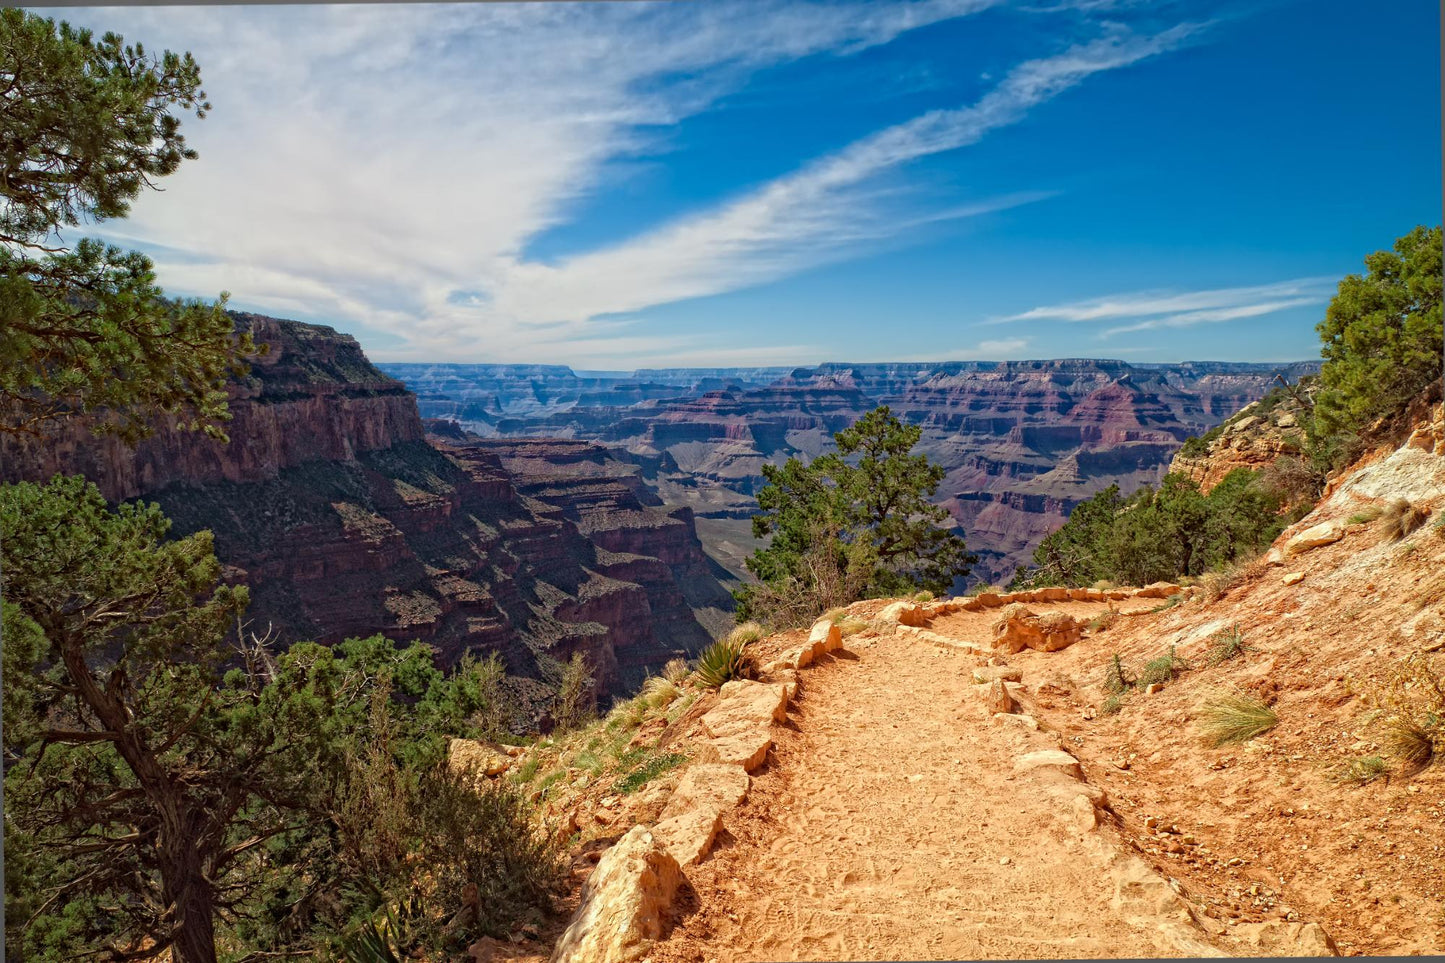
pixel 1049 759
pixel 1052 594
pixel 693 815
pixel 625 902
pixel 708 786
pixel 1086 817
pixel 1019 719
pixel 1325 533
pixel 745 704
pixel 746 748
pixel 1293 578
pixel 1157 590
pixel 470 757
pixel 825 637
pixel 997 699
pixel 1019 628
pixel 987 673
pixel 1280 938
pixel 902 613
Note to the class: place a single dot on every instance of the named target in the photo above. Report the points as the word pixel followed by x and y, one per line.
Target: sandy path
pixel 880 828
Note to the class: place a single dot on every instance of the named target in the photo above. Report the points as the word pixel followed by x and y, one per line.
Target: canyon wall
pixel 331 504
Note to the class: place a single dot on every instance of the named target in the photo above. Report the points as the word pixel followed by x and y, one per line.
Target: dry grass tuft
pixel 1400 519
pixel 1103 620
pixel 1226 718
pixel 660 691
pixel 675 671
pixel 1408 710
pixel 1365 516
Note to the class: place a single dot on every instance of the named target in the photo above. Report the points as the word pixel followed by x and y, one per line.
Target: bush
pixel 1116 677
pixel 575 704
pixel 1233 717
pixel 1103 620
pixel 489 864
pixel 923 596
pixel 727 659
pixel 1113 705
pixel 1400 519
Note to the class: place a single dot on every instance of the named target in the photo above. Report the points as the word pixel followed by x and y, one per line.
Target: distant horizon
pixel 633 372
pixel 617 186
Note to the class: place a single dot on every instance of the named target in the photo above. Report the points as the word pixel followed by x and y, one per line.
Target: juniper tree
pixel 855 521
pixel 1382 339
pixel 85 125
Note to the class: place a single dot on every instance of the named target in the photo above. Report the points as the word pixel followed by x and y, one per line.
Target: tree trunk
pixel 187 890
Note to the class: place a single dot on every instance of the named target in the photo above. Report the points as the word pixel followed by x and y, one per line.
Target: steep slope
pixel 329 502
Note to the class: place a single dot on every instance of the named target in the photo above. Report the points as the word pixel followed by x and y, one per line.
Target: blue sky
pixel 641 184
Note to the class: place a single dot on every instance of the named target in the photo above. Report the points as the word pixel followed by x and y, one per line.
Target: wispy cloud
pixel 1166 309
pixel 389 166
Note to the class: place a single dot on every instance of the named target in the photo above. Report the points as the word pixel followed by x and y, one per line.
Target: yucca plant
pixel 1231 717
pixel 727 659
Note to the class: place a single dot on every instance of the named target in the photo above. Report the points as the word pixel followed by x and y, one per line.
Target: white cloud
pixel 367 163
pixel 1172 309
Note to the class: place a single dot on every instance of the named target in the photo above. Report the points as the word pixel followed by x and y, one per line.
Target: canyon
pixel 1022 442
pixel 331 503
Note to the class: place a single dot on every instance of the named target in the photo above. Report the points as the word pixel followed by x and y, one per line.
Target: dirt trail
pixel 889 825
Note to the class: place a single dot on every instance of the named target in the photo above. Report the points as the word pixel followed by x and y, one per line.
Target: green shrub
pixel 1113 705
pixel 1163 669
pixel 1226 645
pixel 1233 717
pixel 1358 772
pixel 923 596
pixel 1365 516
pixel 1116 677
pixel 726 659
pixel 647 771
